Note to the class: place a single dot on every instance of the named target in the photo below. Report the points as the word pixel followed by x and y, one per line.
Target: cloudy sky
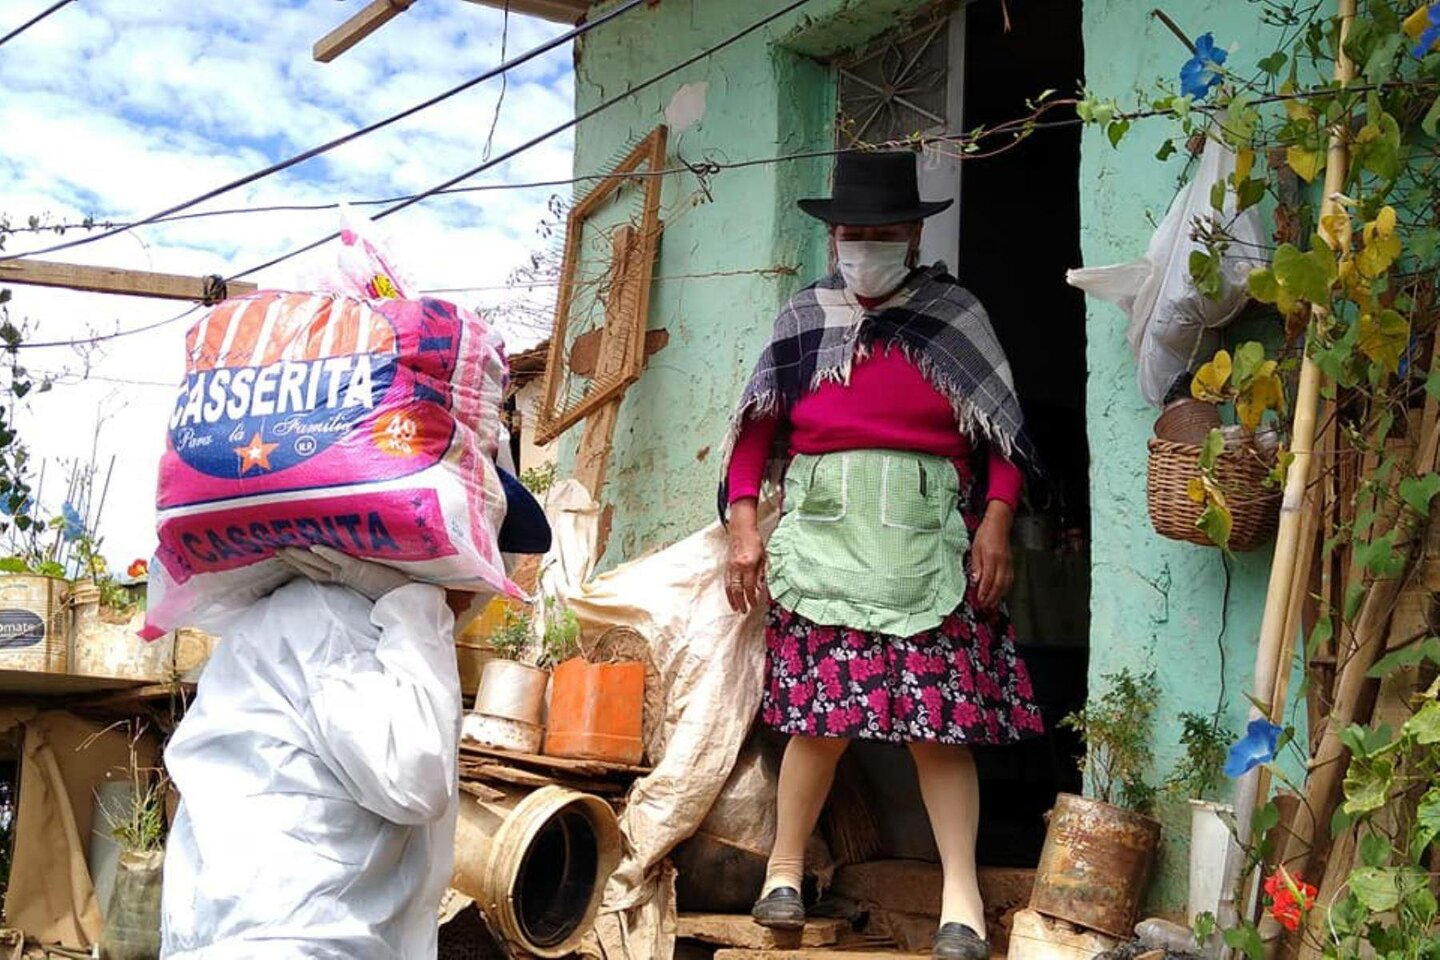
pixel 113 109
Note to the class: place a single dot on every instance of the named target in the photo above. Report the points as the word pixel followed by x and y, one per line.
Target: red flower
pixel 1290 898
pixel 137 569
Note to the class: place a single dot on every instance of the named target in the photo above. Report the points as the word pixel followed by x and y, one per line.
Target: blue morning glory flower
pixel 23 509
pixel 72 528
pixel 1431 33
pixel 1201 73
pixel 1255 748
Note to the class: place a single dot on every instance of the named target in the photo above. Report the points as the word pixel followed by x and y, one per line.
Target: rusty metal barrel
pixel 1094 865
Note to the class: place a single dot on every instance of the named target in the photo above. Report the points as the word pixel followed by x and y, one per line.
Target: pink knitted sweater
pixel 887 405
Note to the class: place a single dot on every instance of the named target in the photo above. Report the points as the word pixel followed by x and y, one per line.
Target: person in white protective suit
pixel 317 774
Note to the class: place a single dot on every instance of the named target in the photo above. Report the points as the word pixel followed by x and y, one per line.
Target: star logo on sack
pixel 254 454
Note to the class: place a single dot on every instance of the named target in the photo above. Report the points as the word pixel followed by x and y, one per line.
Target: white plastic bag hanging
pixel 1172 323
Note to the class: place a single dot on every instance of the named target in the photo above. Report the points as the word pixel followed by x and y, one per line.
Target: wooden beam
pixel 741 932
pixel 376 14
pixel 132 283
pixel 556 11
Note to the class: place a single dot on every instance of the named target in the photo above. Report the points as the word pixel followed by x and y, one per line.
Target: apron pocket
pixel 822 488
pixel 912 498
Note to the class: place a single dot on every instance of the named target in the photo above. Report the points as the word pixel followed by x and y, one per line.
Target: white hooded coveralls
pixel 318 783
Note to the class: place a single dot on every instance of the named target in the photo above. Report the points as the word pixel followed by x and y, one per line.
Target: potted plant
pixel 1198 779
pixel 1223 490
pixel 1098 851
pixel 596 708
pixel 510 700
pixel 132 917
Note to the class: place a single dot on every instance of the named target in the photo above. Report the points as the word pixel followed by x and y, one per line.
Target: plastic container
pixel 132 922
pixel 597 711
pixel 509 707
pixel 113 800
pixel 536 864
pixel 1212 845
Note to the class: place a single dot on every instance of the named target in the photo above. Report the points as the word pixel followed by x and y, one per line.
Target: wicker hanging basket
pixel 1241 474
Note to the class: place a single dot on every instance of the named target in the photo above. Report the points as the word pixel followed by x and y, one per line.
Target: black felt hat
pixel 874 188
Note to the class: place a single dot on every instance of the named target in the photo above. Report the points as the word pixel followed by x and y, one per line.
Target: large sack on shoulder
pixel 369 425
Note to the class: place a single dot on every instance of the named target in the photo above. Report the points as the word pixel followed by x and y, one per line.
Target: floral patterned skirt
pixel 960 683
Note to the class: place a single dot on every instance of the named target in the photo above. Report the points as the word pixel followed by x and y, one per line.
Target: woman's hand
pixel 745 565
pixel 992 569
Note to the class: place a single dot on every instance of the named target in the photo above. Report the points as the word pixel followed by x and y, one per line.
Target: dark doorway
pixel 1019 232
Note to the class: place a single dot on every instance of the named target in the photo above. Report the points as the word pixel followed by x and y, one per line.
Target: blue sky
pixel 117 108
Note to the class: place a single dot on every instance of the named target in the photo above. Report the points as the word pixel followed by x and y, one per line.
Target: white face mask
pixel 872 268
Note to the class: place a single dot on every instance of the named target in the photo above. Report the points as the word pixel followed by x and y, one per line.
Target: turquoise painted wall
pixel 1155 604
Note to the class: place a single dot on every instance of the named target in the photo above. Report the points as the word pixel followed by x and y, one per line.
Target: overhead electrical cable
pixel 584 28
pixel 53 8
pixel 541 138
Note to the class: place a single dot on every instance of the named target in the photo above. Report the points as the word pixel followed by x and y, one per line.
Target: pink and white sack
pixel 366 421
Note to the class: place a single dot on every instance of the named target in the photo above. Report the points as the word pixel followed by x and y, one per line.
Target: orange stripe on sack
pixel 347 330
pixel 247 323
pixel 315 341
pixel 215 327
pixel 288 320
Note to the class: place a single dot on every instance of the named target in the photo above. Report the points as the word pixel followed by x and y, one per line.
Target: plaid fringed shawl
pixel 939 324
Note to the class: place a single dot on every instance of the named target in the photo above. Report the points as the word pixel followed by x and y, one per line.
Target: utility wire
pixel 537 140
pixel 502 69
pixel 54 7
pixel 702 168
pixel 417 198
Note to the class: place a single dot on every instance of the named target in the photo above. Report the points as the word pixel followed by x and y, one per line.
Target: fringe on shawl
pixel 973 422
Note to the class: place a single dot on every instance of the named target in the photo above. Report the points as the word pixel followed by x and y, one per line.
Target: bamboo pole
pixel 1297 481
pixel 1327 768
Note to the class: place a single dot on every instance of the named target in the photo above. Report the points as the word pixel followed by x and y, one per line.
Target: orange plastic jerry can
pixel 596 711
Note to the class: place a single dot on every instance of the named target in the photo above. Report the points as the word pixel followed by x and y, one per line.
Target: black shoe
pixel 781 909
pixel 956 941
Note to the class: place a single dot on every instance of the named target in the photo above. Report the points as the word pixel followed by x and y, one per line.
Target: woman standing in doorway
pixel 885 389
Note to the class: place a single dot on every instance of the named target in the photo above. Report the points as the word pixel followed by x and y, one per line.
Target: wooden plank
pixel 138 697
pixel 566 764
pixel 26 683
pixel 1038 937
pixel 585 351
pixel 481 792
pixel 505 773
pixel 814 953
pixel 731 930
pixel 556 11
pixel 132 283
pixel 592 457
pixel 375 15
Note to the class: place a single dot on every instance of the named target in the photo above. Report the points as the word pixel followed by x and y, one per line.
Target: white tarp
pixel 710 665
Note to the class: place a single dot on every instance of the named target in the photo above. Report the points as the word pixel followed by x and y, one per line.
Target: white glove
pixel 324 565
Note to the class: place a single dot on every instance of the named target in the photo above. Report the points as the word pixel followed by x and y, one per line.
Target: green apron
pixel 872 540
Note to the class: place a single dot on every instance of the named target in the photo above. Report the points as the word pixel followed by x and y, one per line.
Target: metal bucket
pixel 536 864
pixel 512 691
pixel 1094 865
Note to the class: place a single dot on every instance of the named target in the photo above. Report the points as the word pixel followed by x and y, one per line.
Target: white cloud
pixel 115 109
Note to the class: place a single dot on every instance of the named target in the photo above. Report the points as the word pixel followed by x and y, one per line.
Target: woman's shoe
pixel 780 909
pixel 956 941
